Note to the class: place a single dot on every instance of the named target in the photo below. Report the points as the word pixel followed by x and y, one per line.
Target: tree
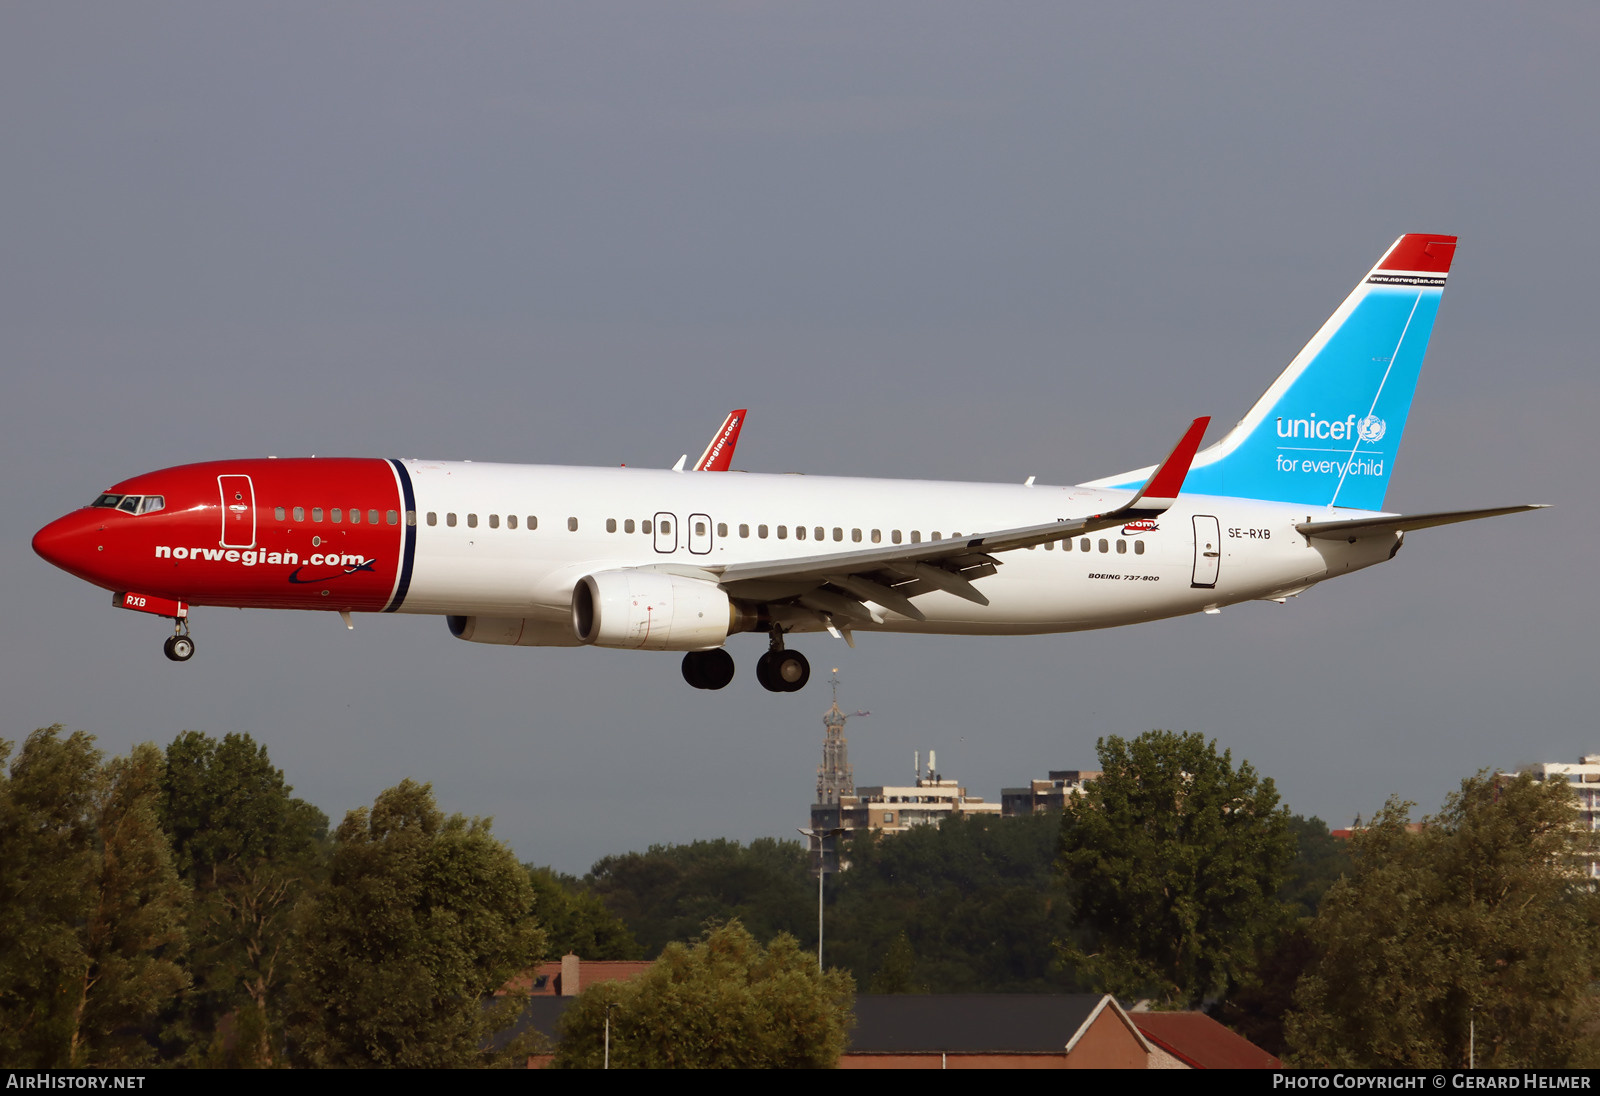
pixel 672 891
pixel 897 974
pixel 975 899
pixel 423 919
pixel 1177 858
pixel 252 852
pixel 724 1003
pixel 1476 928
pixel 576 921
pixel 91 908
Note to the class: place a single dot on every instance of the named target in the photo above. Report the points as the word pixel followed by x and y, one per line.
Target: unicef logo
pixel 1371 428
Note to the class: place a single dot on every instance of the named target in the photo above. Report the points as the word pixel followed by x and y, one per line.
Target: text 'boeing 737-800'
pixel 667 560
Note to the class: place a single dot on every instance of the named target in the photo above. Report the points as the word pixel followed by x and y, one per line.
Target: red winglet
pixel 1163 487
pixel 1422 253
pixel 719 454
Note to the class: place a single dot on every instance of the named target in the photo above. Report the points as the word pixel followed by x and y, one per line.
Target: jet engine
pixel 653 611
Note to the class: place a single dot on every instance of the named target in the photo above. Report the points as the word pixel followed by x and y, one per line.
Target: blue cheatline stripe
pixel 410 554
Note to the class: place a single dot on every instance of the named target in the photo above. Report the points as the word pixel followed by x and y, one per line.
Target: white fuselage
pixel 1205 551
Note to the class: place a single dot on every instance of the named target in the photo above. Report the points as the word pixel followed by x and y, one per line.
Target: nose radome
pixel 69 542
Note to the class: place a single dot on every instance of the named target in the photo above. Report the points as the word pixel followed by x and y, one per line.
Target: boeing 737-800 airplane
pixel 531 555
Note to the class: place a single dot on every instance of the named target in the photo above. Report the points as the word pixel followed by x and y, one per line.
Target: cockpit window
pixel 132 504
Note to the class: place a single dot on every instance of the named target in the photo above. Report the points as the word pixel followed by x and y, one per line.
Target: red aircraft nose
pixel 73 543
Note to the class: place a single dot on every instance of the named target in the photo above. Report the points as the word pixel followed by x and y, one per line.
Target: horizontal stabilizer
pixel 1399 523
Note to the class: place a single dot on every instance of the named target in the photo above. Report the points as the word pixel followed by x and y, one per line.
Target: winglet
pixel 1161 489
pixel 719 454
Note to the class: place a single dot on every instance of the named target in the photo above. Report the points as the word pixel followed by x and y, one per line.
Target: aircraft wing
pixel 1399 523
pixel 891 575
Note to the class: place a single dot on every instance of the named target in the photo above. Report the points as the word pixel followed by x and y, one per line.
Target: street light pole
pixel 822 870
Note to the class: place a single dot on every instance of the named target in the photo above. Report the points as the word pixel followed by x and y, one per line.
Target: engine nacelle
pixel 652 611
pixel 511 631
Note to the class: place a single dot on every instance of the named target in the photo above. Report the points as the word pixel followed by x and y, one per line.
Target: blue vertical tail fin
pixel 1327 431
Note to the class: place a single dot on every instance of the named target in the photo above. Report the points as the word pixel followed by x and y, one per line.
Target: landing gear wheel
pixel 708 669
pixel 179 648
pixel 793 670
pixel 783 671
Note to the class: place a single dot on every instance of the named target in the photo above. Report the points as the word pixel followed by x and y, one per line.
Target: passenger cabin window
pixel 644 526
pixel 572 525
pixel 611 525
pixel 299 513
pixel 934 535
pixel 783 532
pixel 838 534
pixel 666 526
pixel 278 513
pixel 433 517
pixel 372 517
pixel 628 526
pixel 744 531
pixel 877 536
pixel 316 513
pixel 855 535
pixel 1083 545
pixel 355 516
pixel 799 532
pixel 895 536
pixel 819 532
pixel 1104 546
pixel 1122 547
pixel 722 528
pixel 533 522
pixel 1138 547
pixel 761 532
pixel 391 517
pixel 511 521
pixel 411 519
pixel 450 520
pixel 494 521
pixel 336 515
pixel 699 528
pixel 916 536
pixel 472 521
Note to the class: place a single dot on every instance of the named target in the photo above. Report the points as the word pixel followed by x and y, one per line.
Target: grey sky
pixel 952 241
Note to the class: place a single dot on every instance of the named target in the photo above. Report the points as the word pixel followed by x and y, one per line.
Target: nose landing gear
pixel 179 647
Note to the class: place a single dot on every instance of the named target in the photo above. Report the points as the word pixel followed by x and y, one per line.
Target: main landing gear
pixel 779 670
pixel 179 647
pixel 708 669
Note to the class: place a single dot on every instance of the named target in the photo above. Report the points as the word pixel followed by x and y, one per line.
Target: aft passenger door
pixel 238 511
pixel 1207 550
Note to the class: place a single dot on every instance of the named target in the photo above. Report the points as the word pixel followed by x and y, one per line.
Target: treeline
pixel 183 907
